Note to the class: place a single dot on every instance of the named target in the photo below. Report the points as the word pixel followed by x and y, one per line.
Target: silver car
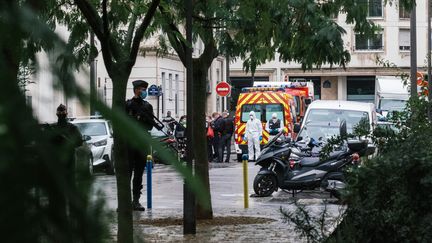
pixel 101 141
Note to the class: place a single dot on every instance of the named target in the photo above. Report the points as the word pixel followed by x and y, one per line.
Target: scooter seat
pixel 310 161
pixel 314 161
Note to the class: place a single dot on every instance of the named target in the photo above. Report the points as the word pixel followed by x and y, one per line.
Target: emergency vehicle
pixel 264 102
pixel 302 91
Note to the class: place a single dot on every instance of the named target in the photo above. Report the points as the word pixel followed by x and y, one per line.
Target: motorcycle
pixel 287 166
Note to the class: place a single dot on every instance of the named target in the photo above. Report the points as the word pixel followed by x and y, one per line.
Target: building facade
pixel 167 72
pixel 357 81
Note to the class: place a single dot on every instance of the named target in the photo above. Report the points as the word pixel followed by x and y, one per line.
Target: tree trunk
pixel 125 224
pixel 200 136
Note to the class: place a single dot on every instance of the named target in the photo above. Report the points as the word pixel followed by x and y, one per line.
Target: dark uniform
pixel 65 138
pixel 226 134
pixel 274 126
pixel 142 111
pixel 217 126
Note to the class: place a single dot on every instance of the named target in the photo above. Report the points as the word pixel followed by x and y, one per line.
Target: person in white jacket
pixel 253 135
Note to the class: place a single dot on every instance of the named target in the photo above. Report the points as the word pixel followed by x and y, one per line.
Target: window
pixel 324 123
pixel 361 88
pixel 375 8
pixel 177 90
pixel 369 43
pixel 263 112
pixel 163 92
pixel 92 128
pixel 170 83
pixel 404 39
pixel 403 13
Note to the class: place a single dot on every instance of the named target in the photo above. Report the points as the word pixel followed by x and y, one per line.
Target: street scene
pixel 215 121
pixel 227 199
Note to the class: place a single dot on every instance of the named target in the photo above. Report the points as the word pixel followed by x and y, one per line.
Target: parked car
pixel 101 141
pixel 337 110
pixel 323 118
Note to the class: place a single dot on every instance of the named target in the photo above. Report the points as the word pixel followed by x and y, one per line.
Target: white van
pixel 390 94
pixel 323 117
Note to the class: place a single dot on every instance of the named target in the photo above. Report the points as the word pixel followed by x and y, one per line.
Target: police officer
pixel 65 139
pixel 142 111
pixel 226 134
pixel 67 135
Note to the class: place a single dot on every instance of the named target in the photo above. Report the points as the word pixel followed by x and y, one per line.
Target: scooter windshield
pixel 274 139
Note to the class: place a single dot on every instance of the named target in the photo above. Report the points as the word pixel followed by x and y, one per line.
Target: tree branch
pixel 105 18
pixel 210 49
pixel 130 31
pixel 172 32
pixel 139 34
pixel 96 25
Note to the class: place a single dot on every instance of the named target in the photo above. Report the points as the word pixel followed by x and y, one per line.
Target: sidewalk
pixel 227 200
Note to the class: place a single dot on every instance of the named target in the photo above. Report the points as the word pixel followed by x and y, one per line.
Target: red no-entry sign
pixel 223 88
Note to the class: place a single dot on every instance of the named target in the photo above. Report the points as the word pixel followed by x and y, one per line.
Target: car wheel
pixel 264 185
pixel 110 170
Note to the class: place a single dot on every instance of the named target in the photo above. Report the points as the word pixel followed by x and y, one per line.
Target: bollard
pixel 245 180
pixel 149 181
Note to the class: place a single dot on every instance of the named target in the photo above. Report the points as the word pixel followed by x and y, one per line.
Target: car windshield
pixel 316 130
pixel 92 128
pixel 262 111
pixel 324 116
pixel 392 105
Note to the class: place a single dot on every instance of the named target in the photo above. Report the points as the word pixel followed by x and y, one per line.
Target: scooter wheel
pixel 264 185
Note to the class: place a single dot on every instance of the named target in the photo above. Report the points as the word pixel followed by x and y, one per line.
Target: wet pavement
pixel 227 200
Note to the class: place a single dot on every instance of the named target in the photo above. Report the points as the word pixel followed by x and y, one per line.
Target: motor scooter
pixel 286 166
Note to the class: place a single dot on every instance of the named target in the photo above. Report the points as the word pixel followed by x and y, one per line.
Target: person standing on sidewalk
pixel 226 134
pixel 142 111
pixel 210 137
pixel 169 121
pixel 217 124
pixel 253 135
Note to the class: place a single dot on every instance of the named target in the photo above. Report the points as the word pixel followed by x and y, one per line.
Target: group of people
pixel 220 129
pixel 173 126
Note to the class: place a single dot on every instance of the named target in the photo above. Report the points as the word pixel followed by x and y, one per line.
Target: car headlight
pixel 100 143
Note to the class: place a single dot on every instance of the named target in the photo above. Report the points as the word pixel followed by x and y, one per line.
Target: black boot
pixel 136 205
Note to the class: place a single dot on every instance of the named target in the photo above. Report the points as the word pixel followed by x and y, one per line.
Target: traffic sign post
pixel 153 90
pixel 223 88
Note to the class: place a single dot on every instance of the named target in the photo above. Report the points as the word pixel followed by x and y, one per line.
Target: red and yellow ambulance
pixel 302 92
pixel 264 102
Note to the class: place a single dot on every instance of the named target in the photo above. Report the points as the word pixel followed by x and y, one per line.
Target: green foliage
pixel 389 198
pixel 312 227
pixel 43 198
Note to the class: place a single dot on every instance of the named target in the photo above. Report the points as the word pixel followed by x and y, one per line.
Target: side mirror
pixel 296 128
pixel 343 129
pixel 86 138
pixel 308 101
pixel 378 111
